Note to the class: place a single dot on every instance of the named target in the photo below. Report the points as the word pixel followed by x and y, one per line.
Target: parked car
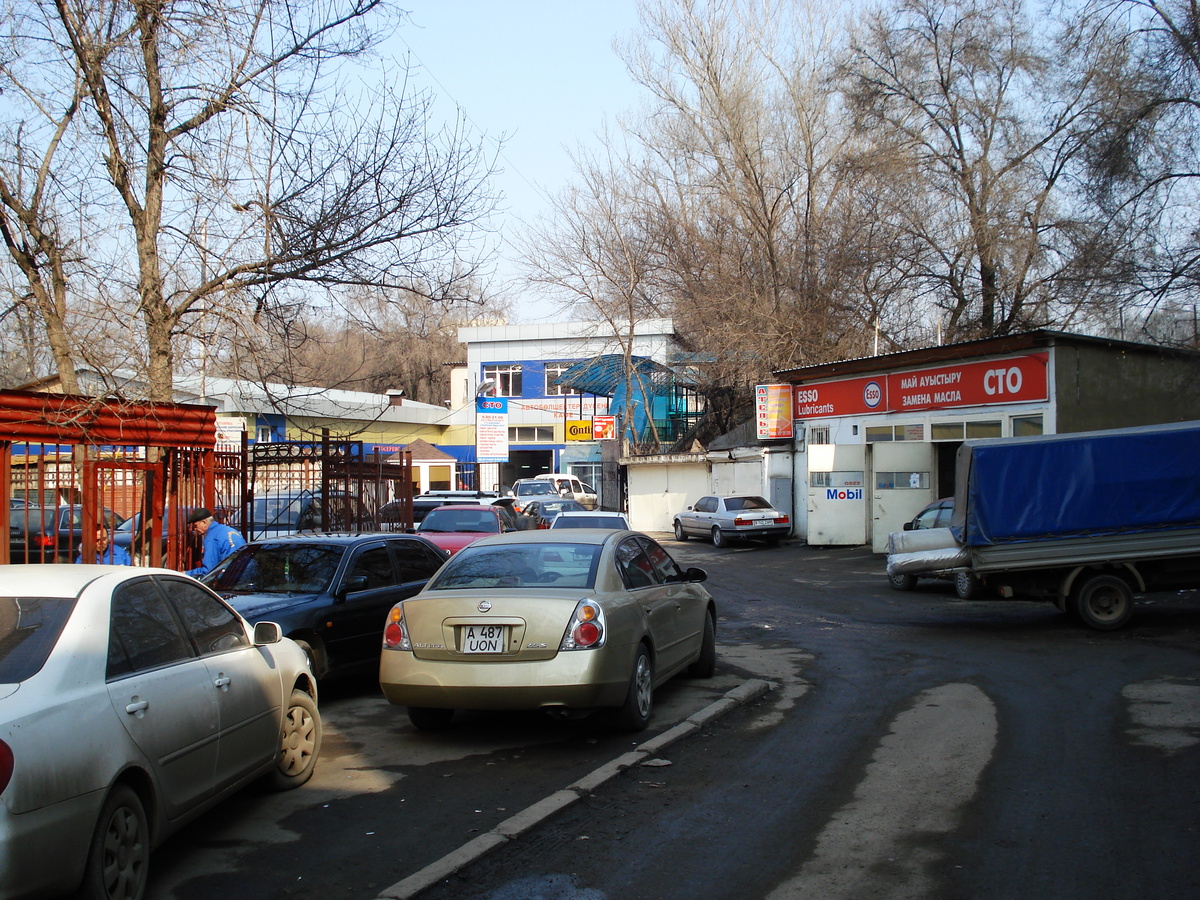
pixel 287 512
pixel 329 592
pixel 570 486
pixel 575 518
pixel 544 512
pixel 525 490
pixel 732 518
pixel 131 700
pixel 453 527
pixel 936 515
pixel 562 623
pixel 49 534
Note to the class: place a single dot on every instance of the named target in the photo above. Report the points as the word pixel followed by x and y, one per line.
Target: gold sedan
pixel 565 622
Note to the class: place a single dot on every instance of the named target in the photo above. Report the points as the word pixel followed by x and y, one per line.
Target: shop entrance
pixel 526 464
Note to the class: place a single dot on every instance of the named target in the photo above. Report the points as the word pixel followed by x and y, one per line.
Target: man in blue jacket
pixel 107 553
pixel 219 540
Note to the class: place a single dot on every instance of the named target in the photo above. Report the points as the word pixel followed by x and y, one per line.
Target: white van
pixel 570 486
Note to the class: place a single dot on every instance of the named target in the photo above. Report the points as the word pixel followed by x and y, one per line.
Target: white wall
pixel 659 490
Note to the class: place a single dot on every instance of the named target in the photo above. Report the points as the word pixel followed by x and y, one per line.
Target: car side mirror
pixel 267 633
pixel 909 526
pixel 695 573
pixel 352 584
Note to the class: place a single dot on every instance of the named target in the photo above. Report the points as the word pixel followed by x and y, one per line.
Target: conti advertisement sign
pixel 1018 379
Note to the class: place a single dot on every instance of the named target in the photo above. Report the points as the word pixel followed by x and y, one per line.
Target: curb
pixel 516 825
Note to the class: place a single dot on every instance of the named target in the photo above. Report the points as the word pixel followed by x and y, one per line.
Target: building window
pixel 818 434
pixel 1022 425
pixel 507 378
pixel 262 434
pixel 553 373
pixel 531 434
pixel 984 429
pixel 956 431
pixel 896 481
pixel 878 433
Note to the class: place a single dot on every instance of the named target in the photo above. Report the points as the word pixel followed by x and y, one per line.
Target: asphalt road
pixel 912 745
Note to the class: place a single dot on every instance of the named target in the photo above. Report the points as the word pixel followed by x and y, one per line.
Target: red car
pixel 453 527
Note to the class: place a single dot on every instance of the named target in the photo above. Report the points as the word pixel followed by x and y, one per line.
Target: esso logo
pixel 1002 381
pixel 872 394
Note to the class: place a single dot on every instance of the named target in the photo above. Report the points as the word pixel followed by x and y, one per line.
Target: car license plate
pixel 483 639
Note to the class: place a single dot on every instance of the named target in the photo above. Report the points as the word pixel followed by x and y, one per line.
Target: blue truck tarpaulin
pixel 1071 485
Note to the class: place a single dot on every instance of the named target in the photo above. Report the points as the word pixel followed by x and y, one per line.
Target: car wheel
pixel 706 663
pixel 680 534
pixel 426 718
pixel 966 585
pixel 634 715
pixel 299 744
pixel 118 861
pixel 903 581
pixel 316 657
pixel 1104 602
pixel 719 539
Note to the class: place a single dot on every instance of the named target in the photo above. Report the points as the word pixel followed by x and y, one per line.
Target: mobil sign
pixel 1016 379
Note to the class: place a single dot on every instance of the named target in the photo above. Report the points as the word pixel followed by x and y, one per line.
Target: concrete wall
pixel 658 490
pixel 1099 387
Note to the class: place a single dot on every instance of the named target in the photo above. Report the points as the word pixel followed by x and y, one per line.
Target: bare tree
pixel 222 160
pixel 993 112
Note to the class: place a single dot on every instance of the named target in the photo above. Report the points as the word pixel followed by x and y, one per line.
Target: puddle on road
pixel 1165 713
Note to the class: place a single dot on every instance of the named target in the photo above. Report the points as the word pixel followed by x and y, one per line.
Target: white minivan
pixel 570 486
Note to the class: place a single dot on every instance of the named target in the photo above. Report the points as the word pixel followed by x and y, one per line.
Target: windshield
pixel 533 488
pixel 470 520
pixel 735 503
pixel 279 569
pixel 590 522
pixel 29 629
pixel 515 565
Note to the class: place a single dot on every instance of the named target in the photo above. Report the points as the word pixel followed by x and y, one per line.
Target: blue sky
pixel 542 73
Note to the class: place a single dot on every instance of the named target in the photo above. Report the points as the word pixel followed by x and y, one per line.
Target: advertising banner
pixel 773 408
pixel 1018 379
pixel 491 429
pixel 604 428
pixel 579 429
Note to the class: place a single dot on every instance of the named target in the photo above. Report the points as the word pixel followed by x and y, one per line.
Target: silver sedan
pixel 131 700
pixel 732 518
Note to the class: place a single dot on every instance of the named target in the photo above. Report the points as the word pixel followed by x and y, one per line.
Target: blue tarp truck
pixel 1086 520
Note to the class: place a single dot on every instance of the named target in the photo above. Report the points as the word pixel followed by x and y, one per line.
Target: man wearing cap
pixel 219 540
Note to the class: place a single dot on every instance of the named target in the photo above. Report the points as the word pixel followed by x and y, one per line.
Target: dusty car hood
pixel 255 606
pixel 7 690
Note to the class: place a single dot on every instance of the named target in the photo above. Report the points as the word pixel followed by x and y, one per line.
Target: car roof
pixel 487 506
pixel 596 536
pixel 337 537
pixel 65 579
pixel 594 513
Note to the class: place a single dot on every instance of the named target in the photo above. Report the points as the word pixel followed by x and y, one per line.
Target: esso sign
pixel 872 394
pixel 1002 381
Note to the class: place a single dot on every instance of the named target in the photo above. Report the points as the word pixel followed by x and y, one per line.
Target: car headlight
pixel 587 629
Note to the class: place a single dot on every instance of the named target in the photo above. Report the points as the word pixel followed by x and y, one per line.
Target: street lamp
pixel 486 387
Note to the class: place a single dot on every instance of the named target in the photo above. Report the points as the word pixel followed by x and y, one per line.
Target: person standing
pixel 219 540
pixel 107 553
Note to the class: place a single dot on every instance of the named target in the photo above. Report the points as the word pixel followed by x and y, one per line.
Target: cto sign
pixel 1017 379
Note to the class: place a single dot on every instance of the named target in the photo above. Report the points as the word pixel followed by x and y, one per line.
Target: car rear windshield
pixel 520 565
pixel 29 629
pixel 279 568
pixel 468 520
pixel 735 503
pixel 589 522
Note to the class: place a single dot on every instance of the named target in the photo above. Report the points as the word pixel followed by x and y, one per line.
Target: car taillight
pixel 781 520
pixel 395 632
pixel 743 521
pixel 46 540
pixel 6 765
pixel 587 628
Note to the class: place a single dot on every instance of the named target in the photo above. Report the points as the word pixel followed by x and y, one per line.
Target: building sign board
pixel 604 428
pixel 773 408
pixel 491 429
pixel 579 430
pixel 1017 379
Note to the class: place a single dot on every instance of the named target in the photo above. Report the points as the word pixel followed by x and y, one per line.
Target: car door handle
pixel 137 706
pixel 222 681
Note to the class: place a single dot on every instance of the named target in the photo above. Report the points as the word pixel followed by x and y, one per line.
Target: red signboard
pixel 1019 379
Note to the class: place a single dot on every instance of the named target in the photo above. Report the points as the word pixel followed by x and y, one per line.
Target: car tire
pixel 718 538
pixel 428 718
pixel 1104 602
pixel 680 534
pixel 634 714
pixel 902 581
pixel 299 744
pixel 118 860
pixel 966 585
pixel 706 664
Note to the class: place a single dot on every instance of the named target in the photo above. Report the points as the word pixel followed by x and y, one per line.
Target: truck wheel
pixel 903 581
pixel 1104 602
pixel 966 585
